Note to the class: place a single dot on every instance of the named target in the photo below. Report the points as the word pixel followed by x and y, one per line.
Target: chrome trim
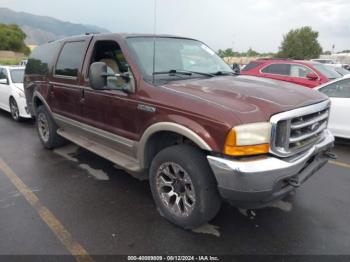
pixel 275 119
pixel 313 121
pixel 308 135
pixel 269 163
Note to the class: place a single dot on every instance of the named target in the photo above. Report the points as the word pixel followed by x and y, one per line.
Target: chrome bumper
pixel 255 181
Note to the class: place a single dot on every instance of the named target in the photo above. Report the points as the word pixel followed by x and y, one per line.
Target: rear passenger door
pixel 298 75
pixel 65 93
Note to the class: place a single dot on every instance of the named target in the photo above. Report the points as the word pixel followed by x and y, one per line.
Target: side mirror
pixel 312 76
pixel 236 69
pixel 98 75
pixel 4 81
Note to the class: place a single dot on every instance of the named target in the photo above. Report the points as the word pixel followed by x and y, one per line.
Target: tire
pixel 183 173
pixel 47 129
pixel 14 110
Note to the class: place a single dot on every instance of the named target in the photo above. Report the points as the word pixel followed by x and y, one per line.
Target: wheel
pixel 14 110
pixel 47 129
pixel 183 186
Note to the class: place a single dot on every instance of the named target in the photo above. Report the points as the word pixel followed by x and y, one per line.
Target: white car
pixel 339 94
pixel 12 98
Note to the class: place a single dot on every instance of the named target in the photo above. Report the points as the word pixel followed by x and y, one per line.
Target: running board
pixel 122 160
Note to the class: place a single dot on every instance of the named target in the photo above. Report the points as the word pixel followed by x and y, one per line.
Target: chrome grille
pixel 297 130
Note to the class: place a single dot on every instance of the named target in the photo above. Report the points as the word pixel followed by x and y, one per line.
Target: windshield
pixel 17 75
pixel 176 55
pixel 330 74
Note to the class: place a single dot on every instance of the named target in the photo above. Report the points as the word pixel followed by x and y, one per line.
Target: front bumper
pixel 254 182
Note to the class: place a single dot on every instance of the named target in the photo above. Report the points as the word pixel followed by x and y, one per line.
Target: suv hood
pixel 249 98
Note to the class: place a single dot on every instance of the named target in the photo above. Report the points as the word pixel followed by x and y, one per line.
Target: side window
pixel 299 71
pixel 277 69
pixel 109 52
pixel 70 59
pixel 340 89
pixel 3 77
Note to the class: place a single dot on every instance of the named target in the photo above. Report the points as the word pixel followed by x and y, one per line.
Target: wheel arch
pixel 166 134
pixel 39 100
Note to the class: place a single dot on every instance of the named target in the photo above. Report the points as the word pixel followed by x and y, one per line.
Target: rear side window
pixel 42 58
pixel 69 61
pixel 251 65
pixel 277 69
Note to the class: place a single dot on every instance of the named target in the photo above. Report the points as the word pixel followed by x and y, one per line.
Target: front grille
pixel 297 130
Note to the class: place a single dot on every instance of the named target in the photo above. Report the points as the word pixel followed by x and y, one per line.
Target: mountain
pixel 41 29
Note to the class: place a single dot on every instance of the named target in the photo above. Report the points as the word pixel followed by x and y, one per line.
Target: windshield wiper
pixel 182 72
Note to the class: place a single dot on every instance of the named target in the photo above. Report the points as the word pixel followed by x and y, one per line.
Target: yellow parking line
pixel 339 164
pixel 45 214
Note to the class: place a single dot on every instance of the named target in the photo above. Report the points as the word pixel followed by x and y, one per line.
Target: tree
pixel 252 52
pixel 300 43
pixel 12 39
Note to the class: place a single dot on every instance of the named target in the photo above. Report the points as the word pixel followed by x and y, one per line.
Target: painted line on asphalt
pixel 47 216
pixel 339 164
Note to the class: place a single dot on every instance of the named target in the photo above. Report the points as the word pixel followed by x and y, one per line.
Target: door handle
pixel 82 100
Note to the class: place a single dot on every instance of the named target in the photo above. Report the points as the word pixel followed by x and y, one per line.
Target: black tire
pixel 195 164
pixel 14 110
pixel 49 139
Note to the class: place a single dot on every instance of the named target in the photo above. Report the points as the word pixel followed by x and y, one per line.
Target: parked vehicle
pixel 339 94
pixel 12 98
pixel 340 70
pixel 171 109
pixel 332 63
pixel 305 73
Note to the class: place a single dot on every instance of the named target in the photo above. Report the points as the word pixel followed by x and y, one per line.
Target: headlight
pixel 250 139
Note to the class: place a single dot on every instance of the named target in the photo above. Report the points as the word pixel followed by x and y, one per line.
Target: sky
pixel 237 24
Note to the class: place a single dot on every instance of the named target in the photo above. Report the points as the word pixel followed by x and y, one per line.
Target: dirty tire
pixel 47 129
pixel 200 183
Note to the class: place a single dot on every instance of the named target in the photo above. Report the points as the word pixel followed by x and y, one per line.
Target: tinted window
pixel 251 65
pixel 277 69
pixel 3 74
pixel 70 59
pixel 339 89
pixel 42 58
pixel 17 75
pixel 299 71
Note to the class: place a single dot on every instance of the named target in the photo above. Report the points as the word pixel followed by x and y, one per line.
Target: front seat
pixel 112 64
pixel 113 68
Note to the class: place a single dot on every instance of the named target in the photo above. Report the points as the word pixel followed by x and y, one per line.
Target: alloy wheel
pixel 175 189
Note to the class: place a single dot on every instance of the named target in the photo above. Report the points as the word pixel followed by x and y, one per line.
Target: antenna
pixel 154 38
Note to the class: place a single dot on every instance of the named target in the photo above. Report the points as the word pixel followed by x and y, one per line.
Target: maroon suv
pixel 305 73
pixel 171 109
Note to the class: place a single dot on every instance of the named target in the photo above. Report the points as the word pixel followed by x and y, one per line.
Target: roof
pixel 123 35
pixel 287 60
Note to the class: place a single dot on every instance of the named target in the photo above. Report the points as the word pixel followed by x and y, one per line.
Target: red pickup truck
pixel 169 108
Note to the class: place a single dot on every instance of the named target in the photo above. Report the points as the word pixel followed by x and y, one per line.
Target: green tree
pixel 252 52
pixel 300 43
pixel 12 39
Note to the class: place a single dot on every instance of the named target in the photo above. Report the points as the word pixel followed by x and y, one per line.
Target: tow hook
pixel 331 155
